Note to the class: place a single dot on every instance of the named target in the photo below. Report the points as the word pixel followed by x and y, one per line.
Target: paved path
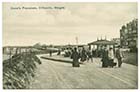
pixel 59 75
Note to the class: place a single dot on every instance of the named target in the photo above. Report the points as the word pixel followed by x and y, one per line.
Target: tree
pixel 37 45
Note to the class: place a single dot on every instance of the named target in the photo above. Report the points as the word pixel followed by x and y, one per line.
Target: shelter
pixel 99 44
pixel 102 42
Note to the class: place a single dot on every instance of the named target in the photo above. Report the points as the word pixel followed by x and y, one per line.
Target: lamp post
pixel 76 38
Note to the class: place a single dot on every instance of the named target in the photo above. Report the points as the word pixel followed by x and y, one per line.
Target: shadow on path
pixel 59 60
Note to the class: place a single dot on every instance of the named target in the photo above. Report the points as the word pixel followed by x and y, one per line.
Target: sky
pixel 86 21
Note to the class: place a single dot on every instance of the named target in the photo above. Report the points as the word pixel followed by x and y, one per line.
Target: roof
pixel 102 42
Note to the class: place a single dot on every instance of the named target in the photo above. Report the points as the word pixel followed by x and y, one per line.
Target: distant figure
pixel 75 57
pixel 119 56
pixel 111 57
pixel 89 55
pixel 93 53
pixel 67 53
pixel 83 55
pixel 50 53
pixel 96 53
pixel 104 57
pixel 59 52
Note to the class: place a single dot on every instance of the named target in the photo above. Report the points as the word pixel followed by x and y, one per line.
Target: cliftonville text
pixel 36 7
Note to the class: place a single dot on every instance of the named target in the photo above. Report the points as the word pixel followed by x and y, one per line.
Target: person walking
pixel 75 57
pixel 59 52
pixel 104 57
pixel 111 57
pixel 119 56
pixel 93 53
pixel 89 55
pixel 83 55
pixel 50 52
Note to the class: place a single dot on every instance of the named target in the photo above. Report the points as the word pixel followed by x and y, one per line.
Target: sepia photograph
pixel 69 45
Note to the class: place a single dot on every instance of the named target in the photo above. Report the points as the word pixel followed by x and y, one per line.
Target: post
pixel 76 38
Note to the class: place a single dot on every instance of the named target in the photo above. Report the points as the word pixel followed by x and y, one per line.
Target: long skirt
pixel 105 63
pixel 75 64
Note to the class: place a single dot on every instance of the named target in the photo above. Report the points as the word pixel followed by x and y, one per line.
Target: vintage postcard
pixel 70 45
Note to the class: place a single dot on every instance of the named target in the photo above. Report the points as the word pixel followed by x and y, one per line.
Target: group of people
pixel 107 55
pixel 78 55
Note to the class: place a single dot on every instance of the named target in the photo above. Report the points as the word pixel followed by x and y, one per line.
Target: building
pixel 102 42
pixel 129 35
pixel 98 45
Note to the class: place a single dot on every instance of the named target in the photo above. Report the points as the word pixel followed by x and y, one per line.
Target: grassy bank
pixel 19 70
pixel 131 58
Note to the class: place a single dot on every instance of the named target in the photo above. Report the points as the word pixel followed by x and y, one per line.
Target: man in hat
pixel 119 56
pixel 111 57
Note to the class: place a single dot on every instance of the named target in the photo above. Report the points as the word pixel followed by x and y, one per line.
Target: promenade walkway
pixel 53 73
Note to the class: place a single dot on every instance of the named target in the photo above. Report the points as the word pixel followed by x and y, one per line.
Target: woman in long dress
pixel 75 57
pixel 104 57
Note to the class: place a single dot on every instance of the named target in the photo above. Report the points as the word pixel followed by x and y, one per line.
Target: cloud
pixel 108 13
pixel 87 15
pixel 85 20
pixel 66 17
